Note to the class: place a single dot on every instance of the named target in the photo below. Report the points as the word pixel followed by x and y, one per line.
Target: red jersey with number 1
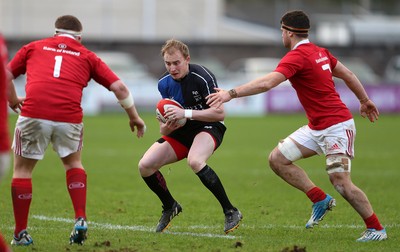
pixel 308 67
pixel 57 69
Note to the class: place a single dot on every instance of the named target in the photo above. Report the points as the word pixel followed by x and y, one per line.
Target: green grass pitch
pixel 123 212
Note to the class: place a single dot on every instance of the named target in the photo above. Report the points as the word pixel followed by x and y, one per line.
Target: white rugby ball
pixel 162 107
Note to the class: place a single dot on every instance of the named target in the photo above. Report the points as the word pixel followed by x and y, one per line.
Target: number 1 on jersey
pixel 57 66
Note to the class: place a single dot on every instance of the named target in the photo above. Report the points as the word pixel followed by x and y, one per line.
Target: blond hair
pixel 172 44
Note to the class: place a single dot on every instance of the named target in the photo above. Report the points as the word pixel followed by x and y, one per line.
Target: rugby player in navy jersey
pixel 197 140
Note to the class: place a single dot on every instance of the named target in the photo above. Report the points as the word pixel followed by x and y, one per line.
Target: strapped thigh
pixel 338 163
pixel 289 149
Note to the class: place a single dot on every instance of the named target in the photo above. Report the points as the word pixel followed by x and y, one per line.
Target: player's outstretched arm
pixel 256 86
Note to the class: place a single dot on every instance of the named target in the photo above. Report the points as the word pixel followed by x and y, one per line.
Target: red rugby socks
pixel 21 193
pixel 315 194
pixel 76 184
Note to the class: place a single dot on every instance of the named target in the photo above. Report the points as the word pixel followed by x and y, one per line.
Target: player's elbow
pixel 221 118
pixel 119 89
pixel 220 115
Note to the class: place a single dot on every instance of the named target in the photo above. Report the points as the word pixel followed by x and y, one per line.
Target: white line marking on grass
pixel 133 228
pixel 204 227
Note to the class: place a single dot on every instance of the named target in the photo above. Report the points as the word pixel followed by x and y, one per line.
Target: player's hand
pixel 216 99
pixel 369 110
pixel 139 124
pixel 16 105
pixel 174 113
pixel 169 126
pixel 173 124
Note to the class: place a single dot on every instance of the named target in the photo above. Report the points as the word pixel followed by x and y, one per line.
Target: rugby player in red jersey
pixel 57 69
pixel 330 131
pixel 4 134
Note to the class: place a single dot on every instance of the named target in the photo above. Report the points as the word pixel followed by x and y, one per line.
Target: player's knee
pixel 285 153
pixel 140 165
pixel 273 160
pixel 144 166
pixel 346 190
pixel 277 161
pixel 195 163
pixel 340 189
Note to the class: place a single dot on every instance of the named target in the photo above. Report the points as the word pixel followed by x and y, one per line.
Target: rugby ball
pixel 162 107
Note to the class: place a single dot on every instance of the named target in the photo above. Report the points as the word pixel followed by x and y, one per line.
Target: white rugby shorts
pixel 33 136
pixel 336 139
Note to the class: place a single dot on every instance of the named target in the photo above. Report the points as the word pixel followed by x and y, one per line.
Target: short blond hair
pixel 172 44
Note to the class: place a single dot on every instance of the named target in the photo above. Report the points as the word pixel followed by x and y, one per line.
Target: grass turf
pixel 123 212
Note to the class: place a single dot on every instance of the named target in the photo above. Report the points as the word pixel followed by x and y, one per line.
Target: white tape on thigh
pixel 338 163
pixel 290 150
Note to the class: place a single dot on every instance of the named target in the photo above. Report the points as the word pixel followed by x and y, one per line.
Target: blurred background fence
pixel 238 40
